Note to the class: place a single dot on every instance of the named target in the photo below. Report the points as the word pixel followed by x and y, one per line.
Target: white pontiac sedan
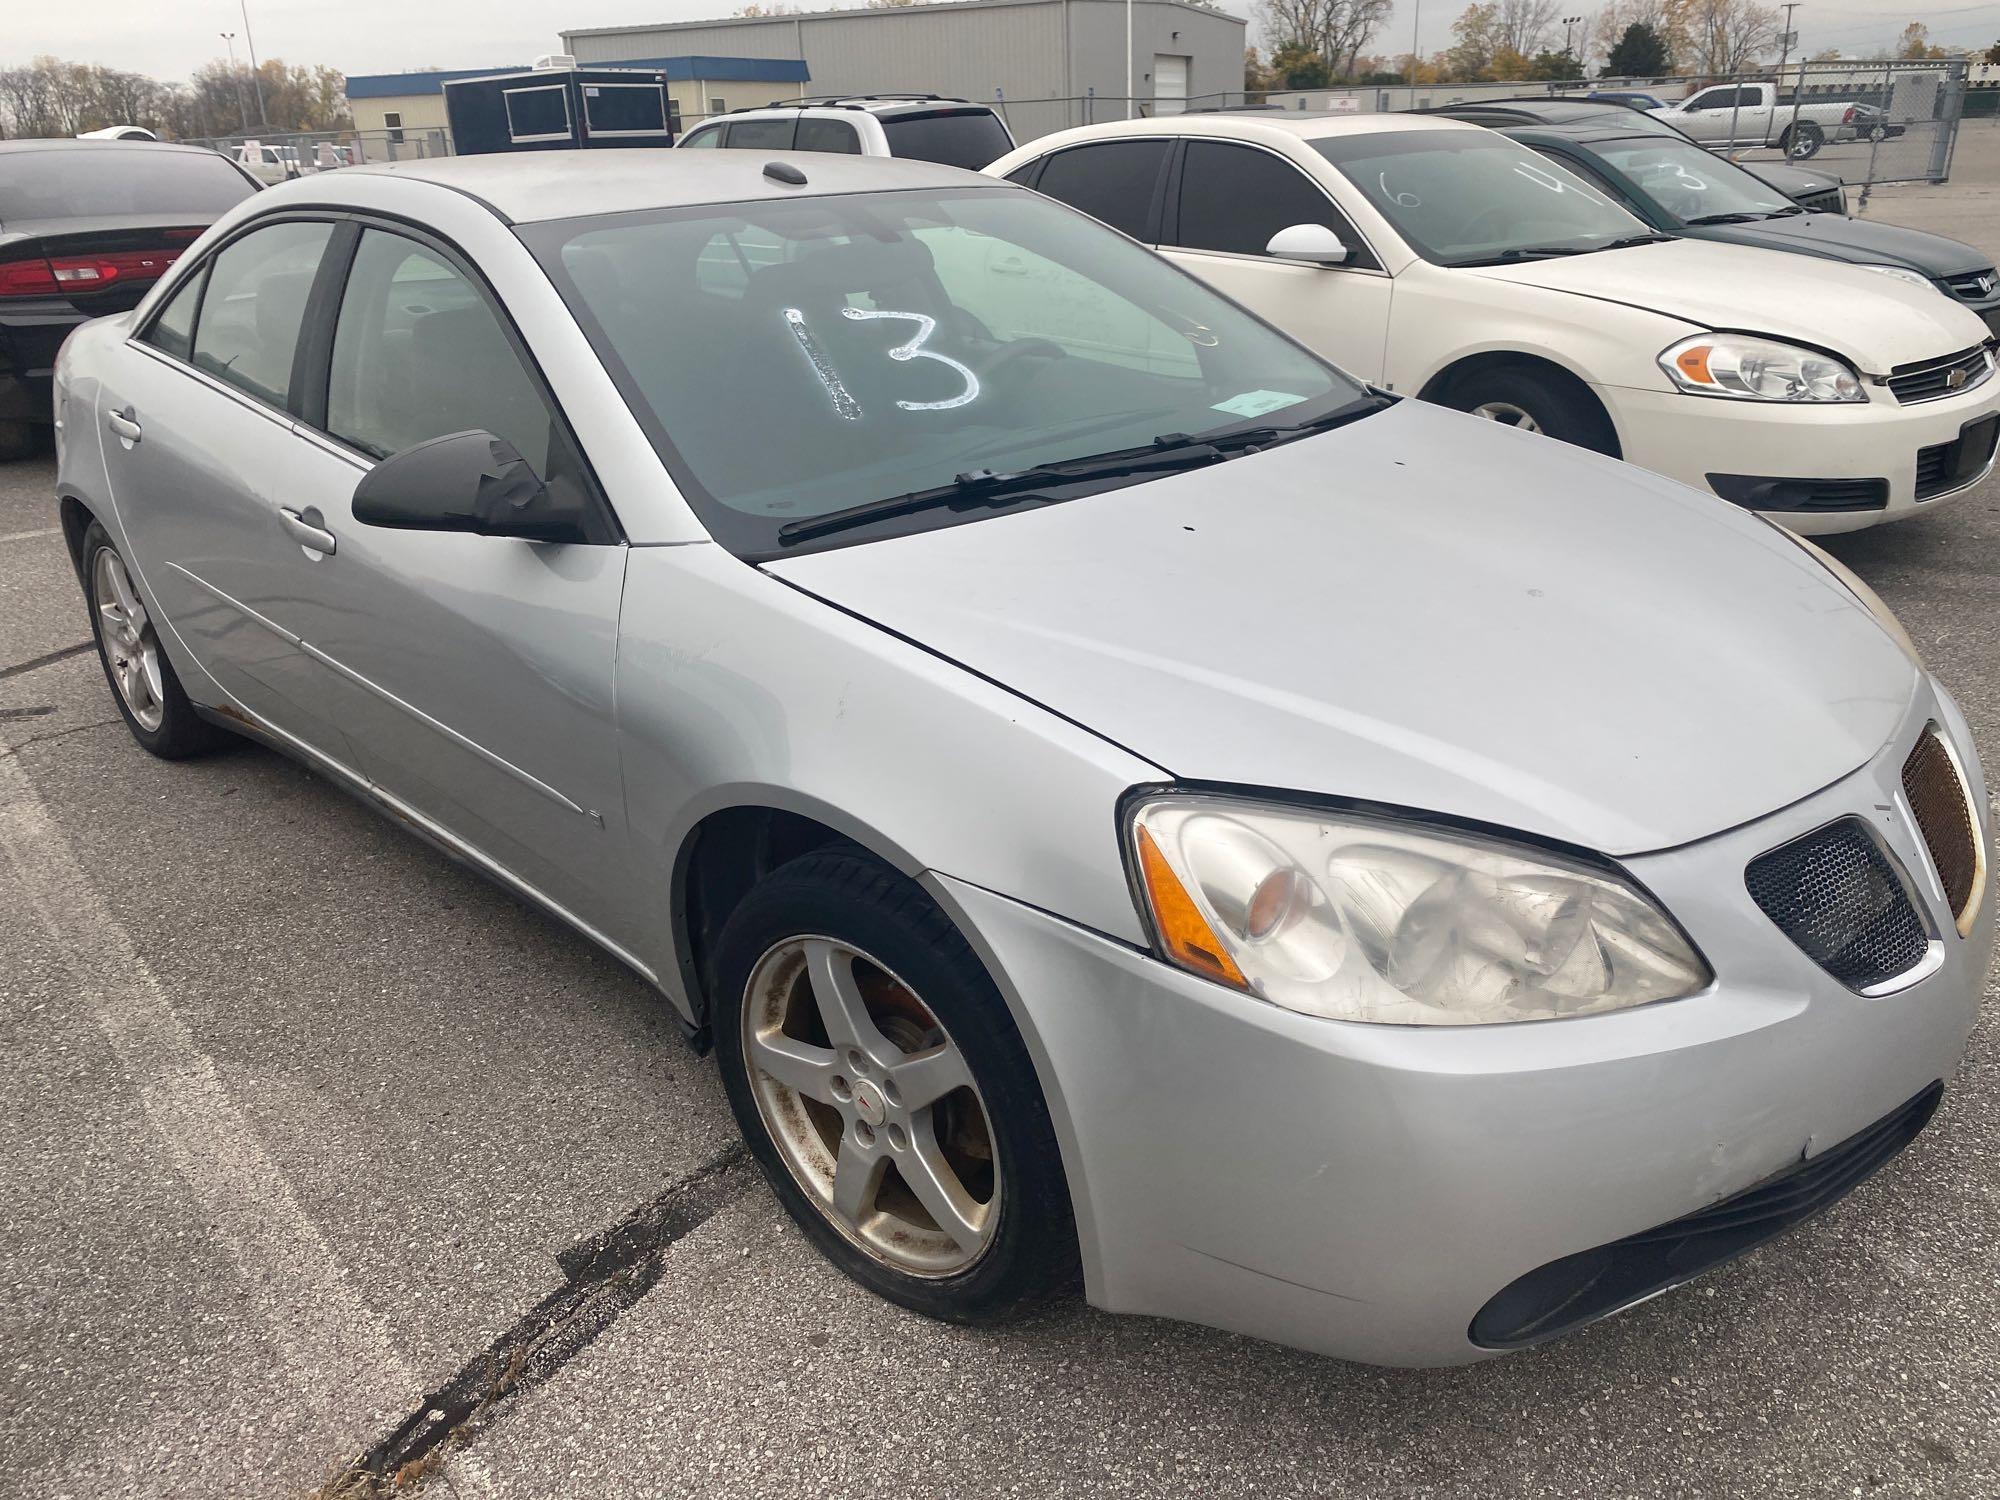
pixel 1443 260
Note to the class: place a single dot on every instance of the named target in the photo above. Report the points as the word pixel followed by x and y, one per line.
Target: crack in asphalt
pixel 602 1277
pixel 15 747
pixel 34 662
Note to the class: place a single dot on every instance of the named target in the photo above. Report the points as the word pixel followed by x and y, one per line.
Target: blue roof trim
pixel 711 69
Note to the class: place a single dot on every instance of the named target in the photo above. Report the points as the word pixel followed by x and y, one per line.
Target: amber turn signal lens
pixel 1694 364
pixel 1184 932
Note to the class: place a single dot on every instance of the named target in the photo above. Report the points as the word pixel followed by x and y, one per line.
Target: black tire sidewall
pixel 863 903
pixel 182 731
pixel 1802 141
pixel 1558 413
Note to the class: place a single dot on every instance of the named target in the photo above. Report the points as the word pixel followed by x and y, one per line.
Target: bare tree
pixel 1336 30
pixel 1524 25
pixel 1722 36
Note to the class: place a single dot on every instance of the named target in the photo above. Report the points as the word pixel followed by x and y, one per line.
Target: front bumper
pixel 1364 1191
pixel 1690 438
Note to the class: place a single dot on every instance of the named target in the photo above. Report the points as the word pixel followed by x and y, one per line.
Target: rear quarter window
pixel 969 138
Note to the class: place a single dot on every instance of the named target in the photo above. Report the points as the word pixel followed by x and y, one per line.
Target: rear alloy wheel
pixel 882 1086
pixel 1802 140
pixel 142 680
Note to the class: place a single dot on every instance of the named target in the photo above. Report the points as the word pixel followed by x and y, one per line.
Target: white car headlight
pixel 1365 918
pixel 1754 369
pixel 1902 273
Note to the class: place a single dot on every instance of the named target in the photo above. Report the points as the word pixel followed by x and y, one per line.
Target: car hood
pixel 1420 609
pixel 1882 322
pixel 1861 241
pixel 1790 180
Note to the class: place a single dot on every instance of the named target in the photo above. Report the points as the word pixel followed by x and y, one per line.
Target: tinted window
pixel 762 135
pixel 537 112
pixel 968 138
pixel 418 352
pixel 93 181
pixel 173 330
pixel 1113 182
pixel 1236 197
pixel 887 342
pixel 829 135
pixel 255 304
pixel 612 107
pixel 706 138
pixel 1689 182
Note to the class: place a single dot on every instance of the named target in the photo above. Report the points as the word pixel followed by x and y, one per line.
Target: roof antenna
pixel 784 171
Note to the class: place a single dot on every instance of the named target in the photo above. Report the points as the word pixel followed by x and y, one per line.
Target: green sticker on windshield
pixel 1256 403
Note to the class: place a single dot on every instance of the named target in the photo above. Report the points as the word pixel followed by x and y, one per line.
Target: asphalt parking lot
pixel 306 1133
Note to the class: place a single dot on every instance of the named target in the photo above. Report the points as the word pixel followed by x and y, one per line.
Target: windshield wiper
pixel 980 488
pixel 1520 253
pixel 1735 218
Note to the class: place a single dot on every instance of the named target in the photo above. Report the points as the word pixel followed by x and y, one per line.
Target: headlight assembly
pixel 1753 369
pixel 1902 273
pixel 1364 918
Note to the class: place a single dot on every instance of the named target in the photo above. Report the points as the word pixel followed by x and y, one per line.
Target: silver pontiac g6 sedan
pixel 1124 799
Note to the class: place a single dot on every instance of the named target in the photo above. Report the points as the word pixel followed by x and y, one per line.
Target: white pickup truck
pixel 1750 114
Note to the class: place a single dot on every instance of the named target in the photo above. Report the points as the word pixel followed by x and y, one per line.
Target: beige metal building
pixel 1048 63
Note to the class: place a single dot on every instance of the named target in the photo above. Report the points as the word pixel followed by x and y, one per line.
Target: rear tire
pixel 142 680
pixel 1801 141
pixel 832 939
pixel 1535 401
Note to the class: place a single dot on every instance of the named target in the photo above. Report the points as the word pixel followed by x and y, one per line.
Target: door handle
pixel 126 424
pixel 308 529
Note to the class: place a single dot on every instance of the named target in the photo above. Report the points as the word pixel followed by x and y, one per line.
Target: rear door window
pixel 1113 182
pixel 255 305
pixel 1234 198
pixel 968 138
pixel 828 135
pixel 762 135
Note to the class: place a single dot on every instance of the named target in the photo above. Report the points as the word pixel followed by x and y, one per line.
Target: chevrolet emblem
pixel 1955 380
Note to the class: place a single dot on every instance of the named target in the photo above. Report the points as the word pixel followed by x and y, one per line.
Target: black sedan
pixel 85 228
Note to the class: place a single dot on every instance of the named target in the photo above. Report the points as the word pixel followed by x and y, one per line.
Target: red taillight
pixel 1847 115
pixel 86 273
pixel 27 278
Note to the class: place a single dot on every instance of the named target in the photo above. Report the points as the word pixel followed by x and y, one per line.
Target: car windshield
pixel 1461 198
pixel 1690 183
pixel 94 182
pixel 794 358
pixel 968 138
pixel 1635 120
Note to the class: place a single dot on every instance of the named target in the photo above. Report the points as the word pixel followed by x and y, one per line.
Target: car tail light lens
pixel 56 274
pixel 1847 115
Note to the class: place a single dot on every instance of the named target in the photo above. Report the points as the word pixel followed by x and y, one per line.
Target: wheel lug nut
pixel 864 1132
pixel 857 1062
pixel 889 1091
pixel 898 1137
pixel 842 1089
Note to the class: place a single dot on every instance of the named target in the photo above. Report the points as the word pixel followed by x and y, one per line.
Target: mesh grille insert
pixel 1835 894
pixel 1944 817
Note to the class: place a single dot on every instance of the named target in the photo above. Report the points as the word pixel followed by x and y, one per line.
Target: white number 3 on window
pixel 914 349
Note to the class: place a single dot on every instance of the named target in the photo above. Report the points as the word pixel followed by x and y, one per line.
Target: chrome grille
pixel 1835 893
pixel 1943 810
pixel 1976 286
pixel 1931 379
pixel 1825 201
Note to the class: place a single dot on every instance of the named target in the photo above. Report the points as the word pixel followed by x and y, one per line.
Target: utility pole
pixel 250 41
pixel 1786 38
pixel 1416 26
pixel 242 109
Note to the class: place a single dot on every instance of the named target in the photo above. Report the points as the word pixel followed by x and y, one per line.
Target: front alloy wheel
pixel 884 1089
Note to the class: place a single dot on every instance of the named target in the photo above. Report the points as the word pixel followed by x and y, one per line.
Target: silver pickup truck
pixel 1751 114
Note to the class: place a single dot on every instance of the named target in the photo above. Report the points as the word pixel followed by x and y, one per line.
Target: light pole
pixel 242 109
pixel 250 41
pixel 1416 25
pixel 1570 22
pixel 1131 104
pixel 1785 38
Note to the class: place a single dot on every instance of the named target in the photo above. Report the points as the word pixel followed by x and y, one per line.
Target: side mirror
pixel 466 481
pixel 1313 242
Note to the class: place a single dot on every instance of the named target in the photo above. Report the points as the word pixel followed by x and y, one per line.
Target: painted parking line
pixel 29 536
pixel 337 1352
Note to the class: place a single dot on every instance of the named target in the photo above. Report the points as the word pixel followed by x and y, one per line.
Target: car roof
pixel 529 186
pixel 1544 111
pixel 1260 125
pixel 151 148
pixel 873 104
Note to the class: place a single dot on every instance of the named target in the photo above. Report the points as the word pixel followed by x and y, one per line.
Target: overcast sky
pixel 170 38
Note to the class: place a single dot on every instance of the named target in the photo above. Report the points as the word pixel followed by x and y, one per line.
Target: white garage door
pixel 1170 84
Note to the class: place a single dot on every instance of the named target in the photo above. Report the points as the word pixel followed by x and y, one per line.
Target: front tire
pixel 1534 401
pixel 876 1074
pixel 142 680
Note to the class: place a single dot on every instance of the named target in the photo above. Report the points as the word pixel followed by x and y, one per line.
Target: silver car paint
pixel 1258 624
pixel 1231 1162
